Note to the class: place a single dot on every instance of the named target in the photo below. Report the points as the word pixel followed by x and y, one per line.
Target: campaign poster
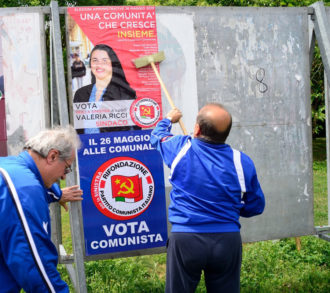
pixel 124 204
pixel 109 92
pixel 115 105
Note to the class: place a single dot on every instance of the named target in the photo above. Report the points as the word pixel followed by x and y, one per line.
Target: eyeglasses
pixel 104 61
pixel 68 168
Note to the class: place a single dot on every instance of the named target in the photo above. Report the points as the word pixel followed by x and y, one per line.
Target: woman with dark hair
pixel 108 84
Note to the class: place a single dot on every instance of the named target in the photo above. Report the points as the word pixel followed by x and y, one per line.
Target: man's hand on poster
pixel 69 194
pixel 174 115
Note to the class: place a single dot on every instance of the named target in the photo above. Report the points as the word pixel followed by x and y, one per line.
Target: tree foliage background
pixel 317 71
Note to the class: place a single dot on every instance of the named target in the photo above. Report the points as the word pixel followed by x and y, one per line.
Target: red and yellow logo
pixel 122 188
pixel 127 188
pixel 145 112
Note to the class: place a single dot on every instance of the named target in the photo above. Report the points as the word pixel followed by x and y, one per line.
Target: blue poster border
pixel 104 231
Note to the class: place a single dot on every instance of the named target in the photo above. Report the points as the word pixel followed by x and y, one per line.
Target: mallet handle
pixel 167 95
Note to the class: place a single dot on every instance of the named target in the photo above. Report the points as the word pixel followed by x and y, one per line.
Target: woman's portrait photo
pixel 108 83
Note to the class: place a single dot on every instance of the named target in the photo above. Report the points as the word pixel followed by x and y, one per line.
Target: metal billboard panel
pixel 255 61
pixel 25 77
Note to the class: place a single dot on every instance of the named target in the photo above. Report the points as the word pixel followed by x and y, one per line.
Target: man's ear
pixel 197 130
pixel 52 155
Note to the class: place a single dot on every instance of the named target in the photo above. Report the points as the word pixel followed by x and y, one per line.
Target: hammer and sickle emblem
pixel 128 189
pixel 146 111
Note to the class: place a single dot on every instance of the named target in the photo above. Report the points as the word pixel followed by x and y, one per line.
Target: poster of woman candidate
pixel 115 105
pixel 111 94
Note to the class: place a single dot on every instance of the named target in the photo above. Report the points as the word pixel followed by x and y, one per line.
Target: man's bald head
pixel 214 123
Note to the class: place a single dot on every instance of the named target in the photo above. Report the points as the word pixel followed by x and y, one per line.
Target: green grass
pixel 268 266
pixel 320 182
pixel 277 266
pixel 320 193
pixel 319 149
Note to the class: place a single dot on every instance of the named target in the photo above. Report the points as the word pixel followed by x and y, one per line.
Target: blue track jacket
pixel 212 184
pixel 28 258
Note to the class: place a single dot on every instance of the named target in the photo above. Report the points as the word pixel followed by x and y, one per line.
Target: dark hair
pixel 118 74
pixel 209 131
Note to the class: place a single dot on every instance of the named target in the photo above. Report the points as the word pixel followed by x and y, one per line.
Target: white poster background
pixel 23 80
pixel 176 37
pixel 102 114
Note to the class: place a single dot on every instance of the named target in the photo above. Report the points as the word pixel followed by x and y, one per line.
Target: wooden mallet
pixel 152 59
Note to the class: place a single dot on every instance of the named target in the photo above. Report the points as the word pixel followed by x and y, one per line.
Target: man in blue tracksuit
pixel 212 186
pixel 28 258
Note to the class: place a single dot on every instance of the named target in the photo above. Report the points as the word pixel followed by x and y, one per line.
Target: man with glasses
pixel 28 258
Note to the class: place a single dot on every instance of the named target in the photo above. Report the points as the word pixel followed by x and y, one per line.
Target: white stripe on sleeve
pixel 239 169
pixel 179 156
pixel 27 229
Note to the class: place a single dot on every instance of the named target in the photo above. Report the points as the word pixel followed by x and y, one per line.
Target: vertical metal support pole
pixel 64 120
pixel 311 34
pixel 56 225
pixel 55 209
pixel 311 38
pixel 327 128
pixel 44 68
pixel 53 92
pixel 322 33
pixel 58 62
pixel 54 107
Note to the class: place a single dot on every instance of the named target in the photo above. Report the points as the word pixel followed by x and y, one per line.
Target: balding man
pixel 28 258
pixel 213 185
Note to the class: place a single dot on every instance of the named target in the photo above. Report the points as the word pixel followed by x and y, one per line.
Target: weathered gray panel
pixel 256 62
pixel 25 83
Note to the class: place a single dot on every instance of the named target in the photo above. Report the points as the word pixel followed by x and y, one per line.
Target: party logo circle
pixel 122 188
pixel 145 112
